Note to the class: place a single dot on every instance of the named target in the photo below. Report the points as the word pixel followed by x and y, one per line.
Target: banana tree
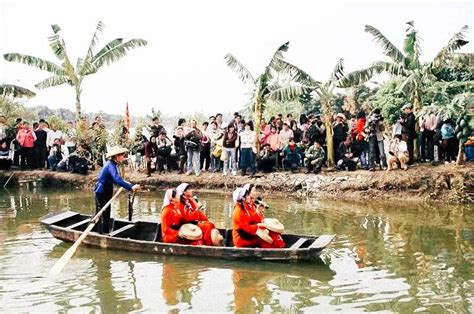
pixel 267 85
pixel 406 64
pixel 15 91
pixel 65 72
pixel 325 92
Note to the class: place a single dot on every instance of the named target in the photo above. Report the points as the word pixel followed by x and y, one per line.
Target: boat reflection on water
pixel 179 282
pixel 251 292
pixel 125 282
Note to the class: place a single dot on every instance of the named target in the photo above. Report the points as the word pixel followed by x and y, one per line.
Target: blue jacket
pixel 107 177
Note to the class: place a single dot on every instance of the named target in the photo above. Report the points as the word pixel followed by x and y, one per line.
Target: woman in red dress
pixel 247 220
pixel 193 213
pixel 172 218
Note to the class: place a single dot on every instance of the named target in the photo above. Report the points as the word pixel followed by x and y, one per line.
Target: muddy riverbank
pixel 443 183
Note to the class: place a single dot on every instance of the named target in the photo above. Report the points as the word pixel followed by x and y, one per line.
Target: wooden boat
pixel 142 236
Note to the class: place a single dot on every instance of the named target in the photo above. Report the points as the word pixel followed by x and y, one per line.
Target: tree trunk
pixel 460 158
pixel 78 102
pixel 329 139
pixel 256 123
pixel 416 108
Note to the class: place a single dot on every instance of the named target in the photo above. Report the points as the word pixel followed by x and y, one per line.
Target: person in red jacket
pixel 181 208
pixel 247 220
pixel 26 138
pixel 360 136
pixel 171 219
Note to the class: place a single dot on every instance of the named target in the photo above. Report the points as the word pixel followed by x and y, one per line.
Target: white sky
pixel 183 69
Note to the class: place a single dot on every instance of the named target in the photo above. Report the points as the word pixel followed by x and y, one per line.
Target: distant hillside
pixel 110 120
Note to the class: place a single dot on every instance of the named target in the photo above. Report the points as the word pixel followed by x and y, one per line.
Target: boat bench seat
pixel 80 223
pixel 322 241
pixel 122 230
pixel 60 217
pixel 298 243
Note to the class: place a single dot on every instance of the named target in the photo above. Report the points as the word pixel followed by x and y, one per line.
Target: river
pixel 386 257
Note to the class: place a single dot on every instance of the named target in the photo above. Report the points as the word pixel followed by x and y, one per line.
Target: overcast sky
pixel 183 69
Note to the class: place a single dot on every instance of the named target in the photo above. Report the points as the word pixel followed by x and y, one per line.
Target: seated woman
pixel 6 156
pixel 398 154
pixel 192 213
pixel 247 221
pixel 172 218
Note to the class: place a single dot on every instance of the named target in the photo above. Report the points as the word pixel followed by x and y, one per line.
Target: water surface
pixel 386 257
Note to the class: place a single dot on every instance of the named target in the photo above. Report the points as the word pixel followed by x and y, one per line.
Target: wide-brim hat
pixel 264 234
pixel 116 150
pixel 274 225
pixel 190 232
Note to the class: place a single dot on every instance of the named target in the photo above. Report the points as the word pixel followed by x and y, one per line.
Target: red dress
pixel 194 214
pixel 244 228
pixel 175 215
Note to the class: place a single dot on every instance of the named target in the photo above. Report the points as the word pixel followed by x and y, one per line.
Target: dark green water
pixel 385 258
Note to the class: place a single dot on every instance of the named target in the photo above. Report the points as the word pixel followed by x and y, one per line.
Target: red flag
pixel 127 118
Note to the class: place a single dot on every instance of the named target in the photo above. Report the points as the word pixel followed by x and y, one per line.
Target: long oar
pixel 70 252
pixel 9 178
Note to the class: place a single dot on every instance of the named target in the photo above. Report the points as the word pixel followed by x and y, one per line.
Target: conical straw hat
pixel 264 235
pixel 190 232
pixel 274 225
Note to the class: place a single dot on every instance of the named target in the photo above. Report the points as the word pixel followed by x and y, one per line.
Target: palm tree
pixel 325 92
pixel 66 73
pixel 267 85
pixel 406 64
pixel 15 91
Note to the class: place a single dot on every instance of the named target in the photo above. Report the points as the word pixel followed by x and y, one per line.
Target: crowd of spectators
pixel 280 143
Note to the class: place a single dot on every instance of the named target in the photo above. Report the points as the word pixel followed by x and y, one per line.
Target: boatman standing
pixel 104 188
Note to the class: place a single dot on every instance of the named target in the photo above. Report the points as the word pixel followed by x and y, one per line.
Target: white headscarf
pixel 238 194
pixel 167 198
pixel 180 189
pixel 247 188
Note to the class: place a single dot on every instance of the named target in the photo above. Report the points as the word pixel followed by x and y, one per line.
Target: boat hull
pixel 126 242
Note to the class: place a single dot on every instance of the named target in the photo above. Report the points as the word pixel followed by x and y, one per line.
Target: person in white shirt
pixel 58 156
pixel 285 134
pixel 398 153
pixel 53 134
pixel 247 148
pixel 3 127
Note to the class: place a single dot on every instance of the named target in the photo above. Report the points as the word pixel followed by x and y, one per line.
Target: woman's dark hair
pixel 376 111
pixel 303 119
pixel 361 114
pixel 247 192
pixel 181 198
pixel 181 121
pixel 250 123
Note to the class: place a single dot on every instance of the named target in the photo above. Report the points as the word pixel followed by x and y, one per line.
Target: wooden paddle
pixel 70 252
pixel 9 178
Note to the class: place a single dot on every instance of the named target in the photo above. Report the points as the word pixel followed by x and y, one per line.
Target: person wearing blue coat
pixel 103 190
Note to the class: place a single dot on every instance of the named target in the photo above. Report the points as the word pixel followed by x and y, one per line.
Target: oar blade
pixel 58 267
